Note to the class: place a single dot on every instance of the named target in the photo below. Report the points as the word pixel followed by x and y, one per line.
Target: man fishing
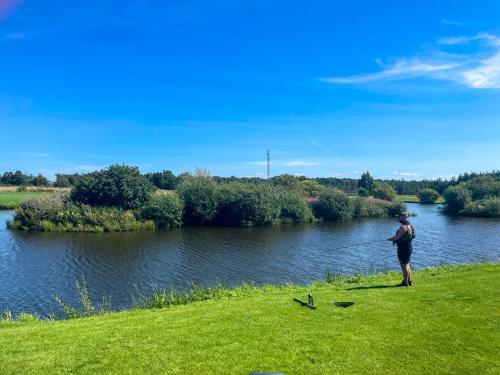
pixel 403 238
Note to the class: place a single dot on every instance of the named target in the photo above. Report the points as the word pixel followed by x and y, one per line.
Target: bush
pixel 334 205
pixel 199 194
pixel 247 205
pixel 34 210
pixel 483 187
pixel 396 209
pixel 365 208
pixel 456 197
pixel 56 213
pixel 294 208
pixel 164 209
pixel 428 196
pixel 362 192
pixel 487 207
pixel 119 185
pixel 310 188
pixel 383 190
pixel 162 180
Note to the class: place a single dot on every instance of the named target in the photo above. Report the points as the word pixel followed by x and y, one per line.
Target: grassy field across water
pixel 10 200
pixel 447 323
pixel 414 199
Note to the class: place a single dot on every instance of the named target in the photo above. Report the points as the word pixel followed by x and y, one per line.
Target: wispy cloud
pixel 87 168
pixel 321 146
pixel 479 69
pixel 405 174
pixel 451 23
pixel 300 163
pixel 35 154
pixel 401 69
pixel 256 163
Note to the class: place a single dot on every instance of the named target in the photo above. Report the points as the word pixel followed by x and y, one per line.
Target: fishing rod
pixel 358 244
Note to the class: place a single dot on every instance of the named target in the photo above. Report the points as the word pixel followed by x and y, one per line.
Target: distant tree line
pixel 18 178
pixel 167 180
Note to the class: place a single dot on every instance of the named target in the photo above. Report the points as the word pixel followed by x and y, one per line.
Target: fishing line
pixel 358 244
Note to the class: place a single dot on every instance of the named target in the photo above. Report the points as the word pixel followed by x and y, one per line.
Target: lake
pixel 35 265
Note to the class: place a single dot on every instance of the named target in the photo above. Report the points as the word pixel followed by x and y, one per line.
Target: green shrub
pixel 164 209
pixel 247 204
pixel 362 192
pixel 310 188
pixel 33 211
pixel 294 208
pixel 56 213
pixel 396 209
pixel 428 196
pixel 334 205
pixel 363 207
pixel 456 197
pixel 162 180
pixel 118 185
pixel 483 187
pixel 199 194
pixel 487 207
pixel 383 190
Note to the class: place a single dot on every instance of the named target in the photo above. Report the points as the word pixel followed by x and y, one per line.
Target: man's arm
pixel 401 231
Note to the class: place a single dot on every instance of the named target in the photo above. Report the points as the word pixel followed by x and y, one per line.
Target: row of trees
pixel 477 196
pixel 18 178
pixel 366 185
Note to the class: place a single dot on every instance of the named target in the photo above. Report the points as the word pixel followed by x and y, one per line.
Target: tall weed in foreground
pixel 87 307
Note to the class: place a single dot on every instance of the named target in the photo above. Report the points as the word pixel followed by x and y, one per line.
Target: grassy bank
pixel 10 200
pixel 448 322
pixel 414 199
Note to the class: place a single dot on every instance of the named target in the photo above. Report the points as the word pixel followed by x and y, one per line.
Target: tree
pixel 383 190
pixel 428 196
pixel 118 185
pixel 310 188
pixel 286 181
pixel 366 181
pixel 334 205
pixel 165 180
pixel 39 181
pixel 456 197
pixel 199 194
pixel 362 192
pixel 164 209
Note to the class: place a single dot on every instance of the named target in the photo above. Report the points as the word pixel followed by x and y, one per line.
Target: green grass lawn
pixel 414 199
pixel 447 323
pixel 9 200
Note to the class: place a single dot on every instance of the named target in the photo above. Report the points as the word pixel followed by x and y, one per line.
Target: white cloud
pixel 87 168
pixel 256 163
pixel 405 174
pixel 458 40
pixel 485 76
pixel 451 23
pixel 316 143
pixel 35 154
pixel 300 163
pixel 401 69
pixel 477 70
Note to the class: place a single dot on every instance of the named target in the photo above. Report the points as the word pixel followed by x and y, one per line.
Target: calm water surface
pixel 34 266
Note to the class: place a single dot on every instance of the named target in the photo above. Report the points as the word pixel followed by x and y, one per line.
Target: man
pixel 403 238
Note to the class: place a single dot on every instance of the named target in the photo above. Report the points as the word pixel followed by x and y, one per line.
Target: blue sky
pixel 332 88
